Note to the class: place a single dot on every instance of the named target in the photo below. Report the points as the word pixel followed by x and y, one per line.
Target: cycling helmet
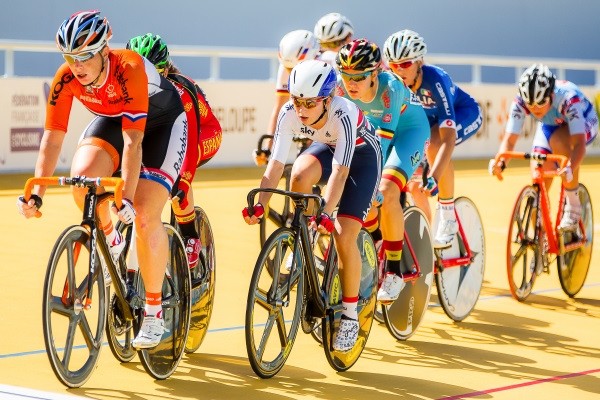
pixel 404 45
pixel 312 78
pixel 360 55
pixel 536 83
pixel 297 46
pixel 332 27
pixel 84 31
pixel 152 47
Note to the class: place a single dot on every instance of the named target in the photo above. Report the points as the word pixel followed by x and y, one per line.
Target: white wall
pixel 243 107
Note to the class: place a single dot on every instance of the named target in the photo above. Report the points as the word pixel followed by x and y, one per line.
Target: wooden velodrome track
pixel 546 348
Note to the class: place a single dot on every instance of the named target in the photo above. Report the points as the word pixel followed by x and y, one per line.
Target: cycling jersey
pixel 133 96
pixel 569 107
pixel 400 122
pixel 347 139
pixel 447 105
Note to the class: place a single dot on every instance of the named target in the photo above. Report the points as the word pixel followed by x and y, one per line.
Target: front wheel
pixel 459 285
pixel 523 245
pixel 274 305
pixel 73 318
pixel 573 266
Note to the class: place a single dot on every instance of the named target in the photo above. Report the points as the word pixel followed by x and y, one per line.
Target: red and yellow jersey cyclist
pixel 204 139
pixel 140 128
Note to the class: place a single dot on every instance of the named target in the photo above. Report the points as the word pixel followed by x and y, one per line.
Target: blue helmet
pixel 312 78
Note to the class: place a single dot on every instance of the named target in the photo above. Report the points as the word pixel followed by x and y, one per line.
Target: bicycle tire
pixel 523 253
pixel 203 284
pixel 573 266
pixel 268 312
pixel 342 361
pixel 64 285
pixel 458 287
pixel 405 314
pixel 161 361
pixel 119 332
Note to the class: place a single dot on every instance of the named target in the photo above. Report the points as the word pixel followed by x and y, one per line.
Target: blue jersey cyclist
pixel 403 129
pixel 453 116
pixel 567 123
pixel 346 154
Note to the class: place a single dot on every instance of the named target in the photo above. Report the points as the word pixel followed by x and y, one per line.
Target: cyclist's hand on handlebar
pixel 323 223
pixel 430 186
pixel 253 215
pixel 567 172
pixel 496 168
pixel 126 213
pixel 29 208
pixel 261 157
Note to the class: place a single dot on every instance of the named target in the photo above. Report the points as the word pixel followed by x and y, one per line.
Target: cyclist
pixel 403 129
pixel 204 139
pixel 346 153
pixel 295 46
pixel 140 129
pixel 567 123
pixel 454 116
pixel 333 30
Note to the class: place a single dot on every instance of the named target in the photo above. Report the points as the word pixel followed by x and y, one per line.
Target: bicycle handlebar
pixel 74 181
pixel 540 157
pixel 295 196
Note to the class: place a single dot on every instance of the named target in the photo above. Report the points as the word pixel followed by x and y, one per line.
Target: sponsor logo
pixel 110 90
pixel 415 159
pixel 65 79
pixel 387 118
pixel 89 99
pixel 385 99
pixel 182 148
pixel 442 94
pixel 306 130
pixel 210 146
pixel 122 81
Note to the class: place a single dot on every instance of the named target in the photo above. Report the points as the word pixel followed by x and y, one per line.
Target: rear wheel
pixel 523 250
pixel 573 266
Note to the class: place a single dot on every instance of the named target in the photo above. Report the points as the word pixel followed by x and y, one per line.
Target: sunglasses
pixel 81 57
pixel 402 65
pixel 333 45
pixel 306 103
pixel 539 105
pixel 355 77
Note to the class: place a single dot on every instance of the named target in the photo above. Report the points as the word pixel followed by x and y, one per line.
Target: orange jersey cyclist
pixel 140 128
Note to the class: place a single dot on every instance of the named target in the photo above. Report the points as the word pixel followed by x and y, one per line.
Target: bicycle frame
pixel 555 245
pixel 466 256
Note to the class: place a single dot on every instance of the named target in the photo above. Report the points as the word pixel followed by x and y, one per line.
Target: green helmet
pixel 152 47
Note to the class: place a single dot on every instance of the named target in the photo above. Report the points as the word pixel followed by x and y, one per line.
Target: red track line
pixel 519 385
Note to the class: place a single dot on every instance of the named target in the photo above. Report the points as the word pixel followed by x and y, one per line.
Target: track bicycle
pixel 534 242
pixel 282 297
pixel 75 301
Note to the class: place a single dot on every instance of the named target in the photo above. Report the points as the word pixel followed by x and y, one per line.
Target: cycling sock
pixel 393 249
pixel 350 307
pixel 376 235
pixel 153 304
pixel 393 267
pixel 187 225
pixel 447 208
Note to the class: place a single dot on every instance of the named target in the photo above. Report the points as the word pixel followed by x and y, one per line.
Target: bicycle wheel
pixel 280 212
pixel 203 284
pixel 523 249
pixel 458 287
pixel 119 331
pixel 73 320
pixel 405 314
pixel 573 265
pixel 161 361
pixel 274 306
pixel 341 361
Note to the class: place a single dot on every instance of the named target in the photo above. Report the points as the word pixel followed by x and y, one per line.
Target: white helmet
pixel 312 78
pixel 332 27
pixel 84 31
pixel 536 84
pixel 404 45
pixel 297 46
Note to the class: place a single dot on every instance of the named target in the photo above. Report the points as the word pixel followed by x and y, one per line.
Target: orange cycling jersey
pixel 125 92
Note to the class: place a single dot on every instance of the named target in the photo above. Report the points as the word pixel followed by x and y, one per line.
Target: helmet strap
pixel 99 74
pixel 322 114
pixel 414 84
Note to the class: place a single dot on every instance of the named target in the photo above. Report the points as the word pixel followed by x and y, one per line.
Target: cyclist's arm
pixel 335 187
pixel 447 126
pixel 132 161
pixel 270 180
pixel 280 99
pixel 47 160
pixel 578 147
